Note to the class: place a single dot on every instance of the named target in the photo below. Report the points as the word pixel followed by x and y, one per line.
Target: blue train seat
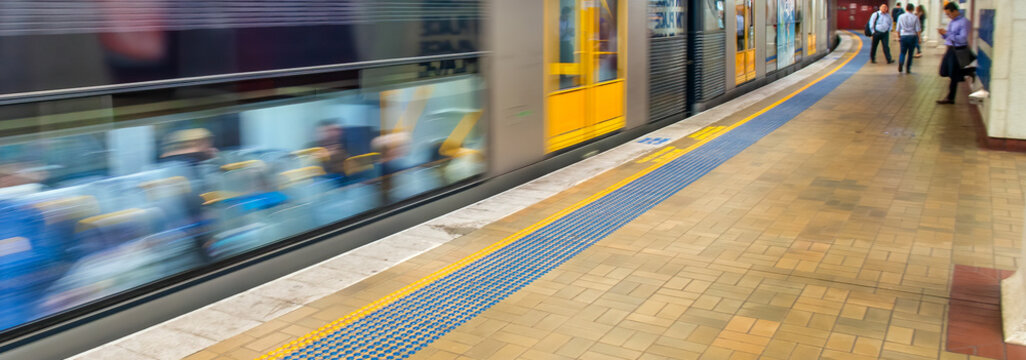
pixel 238 179
pixel 239 239
pixel 306 189
pixel 345 202
pixel 123 267
pixel 175 197
pixel 12 192
pixel 123 192
pixel 60 210
pixel 28 263
pixel 101 232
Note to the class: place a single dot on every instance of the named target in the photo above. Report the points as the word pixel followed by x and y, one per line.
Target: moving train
pixel 149 146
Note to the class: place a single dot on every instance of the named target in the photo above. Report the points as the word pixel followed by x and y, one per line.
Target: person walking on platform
pixel 956 37
pixel 896 12
pixel 909 30
pixel 881 25
pixel 921 14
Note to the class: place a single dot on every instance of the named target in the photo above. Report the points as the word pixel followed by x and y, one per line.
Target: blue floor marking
pixel 409 324
pixel 653 141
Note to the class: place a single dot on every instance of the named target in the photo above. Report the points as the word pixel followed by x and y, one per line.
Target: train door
pixel 585 82
pixel 745 38
pixel 811 25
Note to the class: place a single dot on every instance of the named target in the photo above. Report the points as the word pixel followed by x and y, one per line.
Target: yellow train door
pixel 744 64
pixel 584 77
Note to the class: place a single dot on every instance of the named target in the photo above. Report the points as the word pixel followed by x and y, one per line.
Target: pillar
pixel 1013 304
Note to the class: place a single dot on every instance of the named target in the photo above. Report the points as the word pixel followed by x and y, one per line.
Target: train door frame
pixel 812 25
pixel 591 107
pixel 744 60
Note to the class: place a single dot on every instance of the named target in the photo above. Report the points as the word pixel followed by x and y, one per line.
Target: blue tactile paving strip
pixel 407 325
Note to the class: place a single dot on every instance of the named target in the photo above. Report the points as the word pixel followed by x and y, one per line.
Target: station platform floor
pixel 844 215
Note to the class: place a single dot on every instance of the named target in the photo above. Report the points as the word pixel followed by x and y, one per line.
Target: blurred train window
pixel 186 177
pixel 569 67
pixel 786 35
pixel 608 42
pixel 771 35
pixel 715 14
pixel 666 18
pixel 799 36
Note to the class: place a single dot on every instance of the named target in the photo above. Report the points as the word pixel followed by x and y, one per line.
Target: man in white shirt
pixel 909 29
pixel 881 24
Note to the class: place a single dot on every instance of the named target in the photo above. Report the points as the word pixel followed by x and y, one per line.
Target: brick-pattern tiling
pixel 834 237
pixel 842 227
pixel 974 314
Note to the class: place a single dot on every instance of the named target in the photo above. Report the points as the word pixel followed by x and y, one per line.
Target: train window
pixel 183 184
pixel 715 11
pixel 608 42
pixel 771 35
pixel 666 18
pixel 745 25
pixel 745 41
pixel 569 54
pixel 786 35
pixel 799 35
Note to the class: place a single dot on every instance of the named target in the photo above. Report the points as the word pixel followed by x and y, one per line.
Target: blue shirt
pixel 908 25
pixel 958 32
pixel 883 23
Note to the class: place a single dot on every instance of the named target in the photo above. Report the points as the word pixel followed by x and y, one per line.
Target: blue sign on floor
pixel 653 141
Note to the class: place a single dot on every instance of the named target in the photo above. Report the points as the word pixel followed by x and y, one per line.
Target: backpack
pixel 869 30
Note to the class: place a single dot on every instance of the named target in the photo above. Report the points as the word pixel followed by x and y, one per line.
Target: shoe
pixel 899 69
pixel 945 101
pixel 890 61
pixel 919 55
pixel 872 61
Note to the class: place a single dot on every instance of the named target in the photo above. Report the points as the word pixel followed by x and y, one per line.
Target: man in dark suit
pixel 896 12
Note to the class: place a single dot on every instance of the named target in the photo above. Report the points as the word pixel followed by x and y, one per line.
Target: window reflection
pixel 569 62
pixel 715 14
pixel 771 35
pixel 608 42
pixel 88 215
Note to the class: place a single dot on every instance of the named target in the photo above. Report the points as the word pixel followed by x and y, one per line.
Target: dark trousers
pixel 952 88
pixel 908 45
pixel 881 37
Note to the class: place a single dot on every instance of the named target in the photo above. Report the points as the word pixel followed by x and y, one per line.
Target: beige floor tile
pixel 832 237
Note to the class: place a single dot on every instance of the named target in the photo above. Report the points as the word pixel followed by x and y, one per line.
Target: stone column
pixel 934 14
pixel 1013 303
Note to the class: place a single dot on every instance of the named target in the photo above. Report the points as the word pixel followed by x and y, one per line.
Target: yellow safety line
pixel 698 135
pixel 390 298
pixel 713 130
pixel 702 134
pixel 670 156
pixel 655 155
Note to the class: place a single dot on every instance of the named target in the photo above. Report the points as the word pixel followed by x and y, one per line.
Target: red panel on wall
pixel 854 14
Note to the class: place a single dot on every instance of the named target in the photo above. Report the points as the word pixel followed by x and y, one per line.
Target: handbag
pixel 965 56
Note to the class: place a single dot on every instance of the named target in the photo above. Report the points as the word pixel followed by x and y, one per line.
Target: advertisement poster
pixel 667 18
pixel 785 33
pixel 771 35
